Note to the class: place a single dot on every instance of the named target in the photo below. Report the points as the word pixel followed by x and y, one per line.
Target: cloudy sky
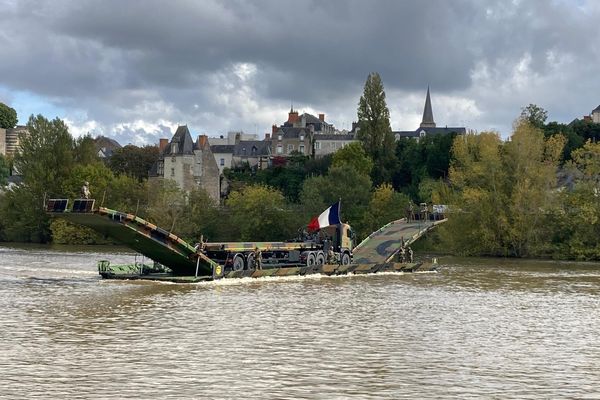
pixel 134 70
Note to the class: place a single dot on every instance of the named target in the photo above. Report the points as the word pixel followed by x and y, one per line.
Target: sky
pixel 135 70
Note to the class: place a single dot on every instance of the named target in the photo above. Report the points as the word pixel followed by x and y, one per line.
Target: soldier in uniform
pixel 410 255
pixel 85 190
pixel 257 258
pixel 403 254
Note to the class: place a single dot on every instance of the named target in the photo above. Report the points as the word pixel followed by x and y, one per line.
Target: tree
pixel 375 131
pixel 8 116
pixel 502 192
pixel 341 183
pixel 133 161
pixel 259 213
pixel 535 115
pixel 4 170
pixel 46 156
pixel 355 156
pixel 386 205
pixel 85 150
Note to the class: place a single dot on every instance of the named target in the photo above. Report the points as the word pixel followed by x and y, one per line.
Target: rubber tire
pixel 345 259
pixel 250 261
pixel 238 262
pixel 320 258
pixel 311 259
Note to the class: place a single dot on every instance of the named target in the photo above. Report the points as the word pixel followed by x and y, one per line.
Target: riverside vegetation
pixel 534 195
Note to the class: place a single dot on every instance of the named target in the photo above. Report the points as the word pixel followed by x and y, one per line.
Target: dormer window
pixel 301 138
pixel 279 137
pixel 173 148
pixel 254 150
pixel 422 133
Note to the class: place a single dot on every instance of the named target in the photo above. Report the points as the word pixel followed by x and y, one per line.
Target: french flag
pixel 331 216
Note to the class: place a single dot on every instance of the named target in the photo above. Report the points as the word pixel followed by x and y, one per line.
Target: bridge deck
pixel 384 243
pixel 170 250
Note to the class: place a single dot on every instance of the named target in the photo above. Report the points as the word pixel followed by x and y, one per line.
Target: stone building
pixel 9 140
pixel 596 115
pixel 428 126
pixel 330 143
pixel 190 164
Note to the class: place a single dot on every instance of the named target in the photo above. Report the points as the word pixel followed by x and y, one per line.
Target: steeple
pixel 428 121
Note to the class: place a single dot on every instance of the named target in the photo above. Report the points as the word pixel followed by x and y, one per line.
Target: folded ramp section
pixel 136 233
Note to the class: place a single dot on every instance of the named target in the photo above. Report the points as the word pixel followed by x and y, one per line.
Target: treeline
pixel 521 198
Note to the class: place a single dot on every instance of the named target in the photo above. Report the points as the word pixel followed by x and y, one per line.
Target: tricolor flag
pixel 331 216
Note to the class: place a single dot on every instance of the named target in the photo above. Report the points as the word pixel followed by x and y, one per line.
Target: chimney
pixel 162 144
pixel 322 117
pixel 293 117
pixel 202 140
pixel 274 129
pixel 267 136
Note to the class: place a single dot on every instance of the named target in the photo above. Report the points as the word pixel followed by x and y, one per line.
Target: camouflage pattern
pixel 382 245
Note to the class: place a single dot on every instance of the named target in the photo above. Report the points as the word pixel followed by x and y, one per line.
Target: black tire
pixel 320 258
pixel 251 261
pixel 311 259
pixel 345 259
pixel 238 262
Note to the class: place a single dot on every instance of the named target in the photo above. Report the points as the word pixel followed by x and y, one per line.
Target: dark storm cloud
pixel 122 61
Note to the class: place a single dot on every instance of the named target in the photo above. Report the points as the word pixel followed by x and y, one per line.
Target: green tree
pixel 502 192
pixel 341 183
pixel 386 205
pixel 355 156
pixel 133 161
pixel 259 213
pixel 46 156
pixel 8 116
pixel 4 171
pixel 85 150
pixel 535 115
pixel 375 131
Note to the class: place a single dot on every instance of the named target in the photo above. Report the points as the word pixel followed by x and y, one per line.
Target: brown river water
pixel 479 328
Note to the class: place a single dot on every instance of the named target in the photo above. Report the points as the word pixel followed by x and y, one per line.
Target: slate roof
pixel 430 131
pixel 596 109
pixel 292 133
pixel 244 148
pixel 222 148
pixel 311 119
pixel 182 140
pixel 427 113
pixel 325 136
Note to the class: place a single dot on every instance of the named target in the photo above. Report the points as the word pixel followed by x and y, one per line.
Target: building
pixel 596 115
pixel 308 135
pixel 105 147
pixel 223 154
pixel 190 164
pixel 328 143
pixel 232 138
pixel 428 125
pixel 254 153
pixel 10 140
pixel 2 141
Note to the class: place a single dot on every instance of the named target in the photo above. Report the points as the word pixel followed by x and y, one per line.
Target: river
pixel 479 328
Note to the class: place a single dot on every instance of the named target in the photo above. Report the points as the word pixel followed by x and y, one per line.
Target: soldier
pixel 402 254
pixel 410 255
pixel 85 190
pixel 257 258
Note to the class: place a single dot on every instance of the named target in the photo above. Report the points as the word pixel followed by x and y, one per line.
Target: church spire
pixel 428 121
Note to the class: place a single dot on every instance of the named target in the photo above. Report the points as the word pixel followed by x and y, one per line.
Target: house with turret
pixel 189 163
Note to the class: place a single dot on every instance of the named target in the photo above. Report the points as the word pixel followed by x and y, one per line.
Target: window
pixel 302 138
pixel 160 170
pixel 290 148
pixel 301 148
pixel 254 150
pixel 279 137
pixel 172 171
pixel 318 146
pixel 279 149
pixel 222 162
pixel 244 151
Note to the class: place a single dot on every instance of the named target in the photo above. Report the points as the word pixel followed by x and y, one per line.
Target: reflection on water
pixel 479 328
